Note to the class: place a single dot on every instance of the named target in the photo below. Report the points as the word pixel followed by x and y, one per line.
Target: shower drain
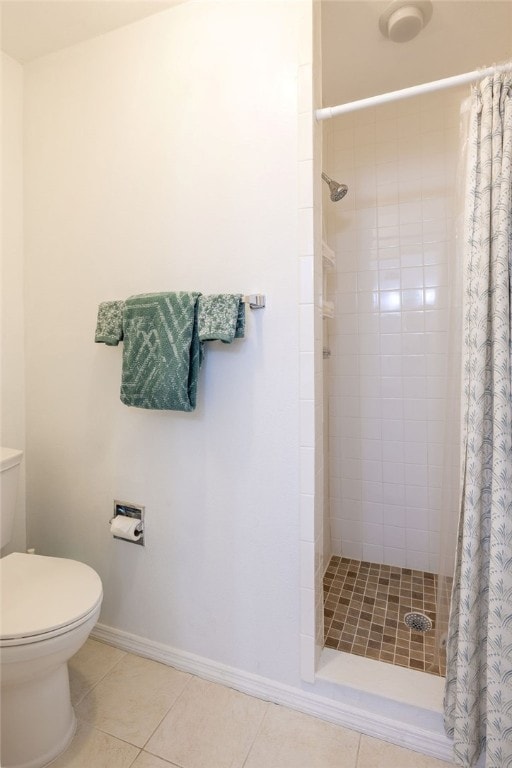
pixel 418 622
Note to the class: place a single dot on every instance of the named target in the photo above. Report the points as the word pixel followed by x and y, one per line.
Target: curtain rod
pixel 416 90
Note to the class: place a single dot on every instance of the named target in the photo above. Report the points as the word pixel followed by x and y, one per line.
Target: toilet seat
pixel 43 597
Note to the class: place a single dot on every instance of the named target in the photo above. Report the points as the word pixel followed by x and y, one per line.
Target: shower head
pixel 337 190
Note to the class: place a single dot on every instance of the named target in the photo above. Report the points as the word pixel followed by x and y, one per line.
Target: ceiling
pixel 357 61
pixel 33 28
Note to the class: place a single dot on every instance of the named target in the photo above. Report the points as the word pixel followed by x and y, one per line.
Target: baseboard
pixel 359 719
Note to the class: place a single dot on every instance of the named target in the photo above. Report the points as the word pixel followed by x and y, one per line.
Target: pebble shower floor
pixel 364 609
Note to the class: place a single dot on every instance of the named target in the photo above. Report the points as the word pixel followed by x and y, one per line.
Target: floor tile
pixel 91 747
pixel 202 725
pixel 145 760
pixel 130 701
pixel 89 666
pixel 210 726
pixel 379 754
pixel 288 738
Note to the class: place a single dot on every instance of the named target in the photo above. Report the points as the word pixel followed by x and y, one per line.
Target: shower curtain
pixel 478 690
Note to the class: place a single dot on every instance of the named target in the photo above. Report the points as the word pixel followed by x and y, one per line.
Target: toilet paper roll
pixel 129 528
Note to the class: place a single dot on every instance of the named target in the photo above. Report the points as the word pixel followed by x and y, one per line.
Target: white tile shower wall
pixel 318 334
pixel 310 341
pixel 393 238
pixel 309 532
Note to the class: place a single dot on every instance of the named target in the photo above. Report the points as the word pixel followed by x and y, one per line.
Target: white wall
pixel 395 243
pixel 162 157
pixel 12 321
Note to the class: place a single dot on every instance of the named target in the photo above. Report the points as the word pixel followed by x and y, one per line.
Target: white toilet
pixel 48 608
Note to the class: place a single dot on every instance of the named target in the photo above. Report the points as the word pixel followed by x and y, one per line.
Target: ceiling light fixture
pixel 404 19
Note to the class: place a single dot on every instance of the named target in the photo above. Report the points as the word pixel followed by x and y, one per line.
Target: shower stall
pixel 387 348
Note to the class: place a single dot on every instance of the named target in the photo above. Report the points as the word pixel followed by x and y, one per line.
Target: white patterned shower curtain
pixel 478 691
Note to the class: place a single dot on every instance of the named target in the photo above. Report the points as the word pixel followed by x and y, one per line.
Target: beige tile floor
pixel 136 712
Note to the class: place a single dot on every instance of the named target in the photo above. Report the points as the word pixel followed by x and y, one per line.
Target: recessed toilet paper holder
pixel 130 513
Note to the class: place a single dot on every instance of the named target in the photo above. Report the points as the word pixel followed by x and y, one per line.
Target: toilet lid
pixel 43 594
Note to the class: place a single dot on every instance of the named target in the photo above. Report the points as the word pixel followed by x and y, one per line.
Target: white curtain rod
pixel 416 90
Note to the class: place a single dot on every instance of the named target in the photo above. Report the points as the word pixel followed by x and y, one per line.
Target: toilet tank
pixel 10 459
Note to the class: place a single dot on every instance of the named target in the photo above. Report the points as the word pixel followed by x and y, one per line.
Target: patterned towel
pixel 109 324
pixel 221 317
pixel 162 352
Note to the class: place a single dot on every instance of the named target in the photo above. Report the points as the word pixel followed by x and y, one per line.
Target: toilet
pixel 48 608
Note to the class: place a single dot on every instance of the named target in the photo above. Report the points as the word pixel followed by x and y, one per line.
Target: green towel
pixel 162 352
pixel 221 317
pixel 109 324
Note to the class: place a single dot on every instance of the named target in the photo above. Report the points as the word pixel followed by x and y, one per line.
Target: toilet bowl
pixel 49 606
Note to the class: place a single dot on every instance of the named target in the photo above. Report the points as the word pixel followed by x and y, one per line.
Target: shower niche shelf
pixel 328 309
pixel 328 257
pixel 328 265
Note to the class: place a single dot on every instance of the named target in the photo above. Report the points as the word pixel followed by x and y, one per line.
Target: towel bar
pixel 255 300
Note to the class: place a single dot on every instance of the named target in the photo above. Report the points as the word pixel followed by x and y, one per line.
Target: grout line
pixel 94 685
pixel 187 683
pixel 136 757
pixel 358 750
pixel 258 730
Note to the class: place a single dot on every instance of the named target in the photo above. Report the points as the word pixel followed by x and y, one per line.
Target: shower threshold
pixel 401 687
